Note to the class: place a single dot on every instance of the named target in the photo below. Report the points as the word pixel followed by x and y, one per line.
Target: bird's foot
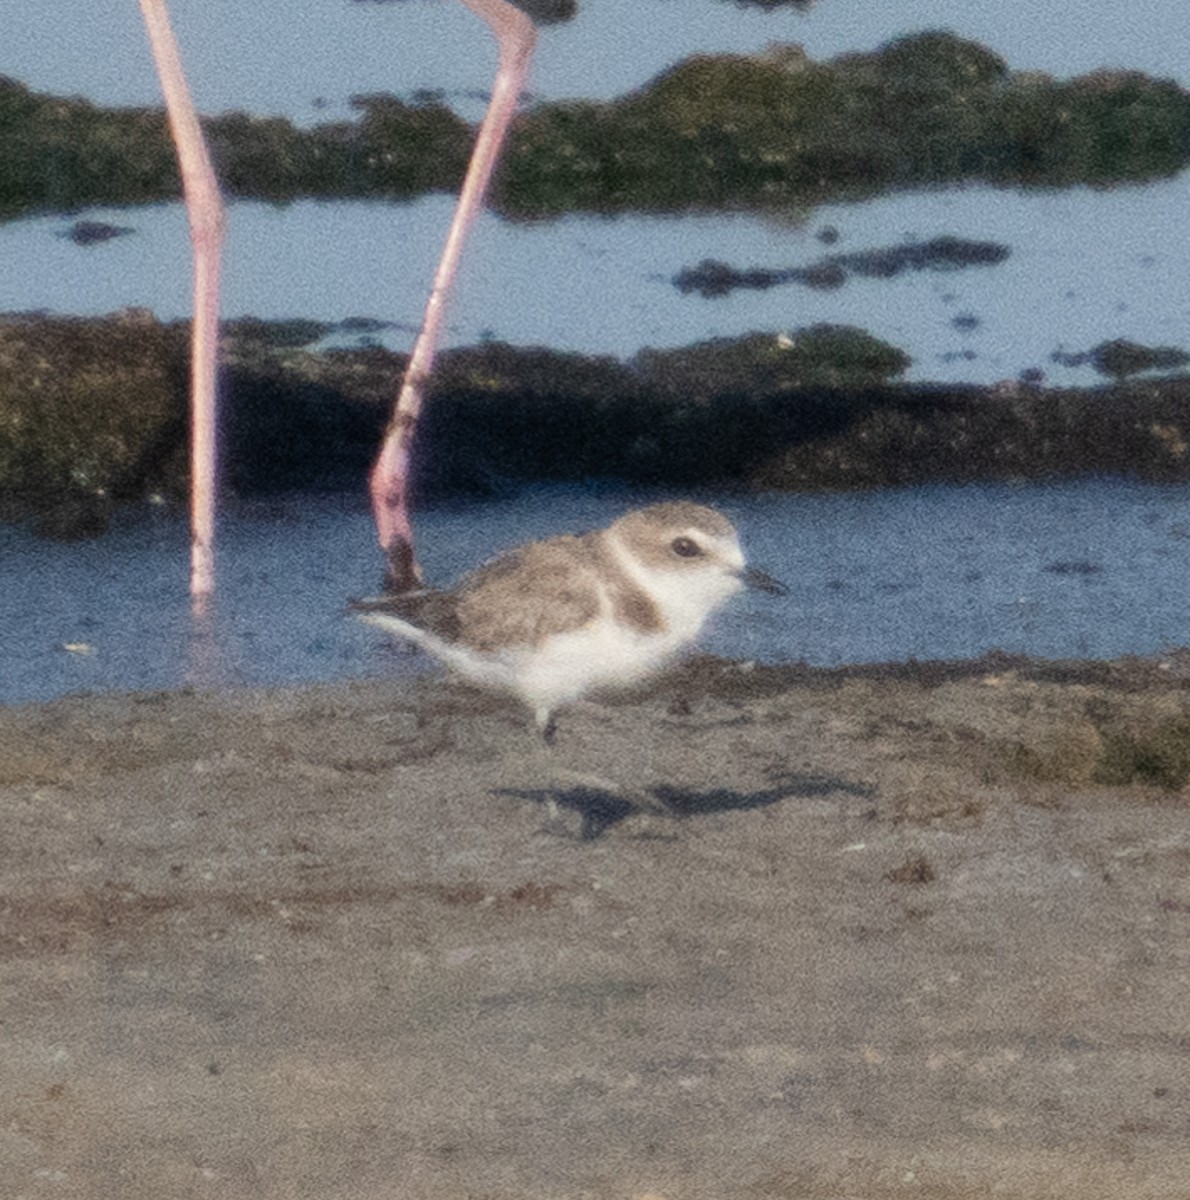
pixel 556 823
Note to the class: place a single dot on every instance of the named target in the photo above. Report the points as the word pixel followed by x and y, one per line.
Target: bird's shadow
pixel 601 809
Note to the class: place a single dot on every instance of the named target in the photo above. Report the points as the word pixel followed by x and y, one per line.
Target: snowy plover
pixel 555 619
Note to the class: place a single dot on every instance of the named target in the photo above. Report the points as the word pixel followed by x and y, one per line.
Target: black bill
pixel 753 578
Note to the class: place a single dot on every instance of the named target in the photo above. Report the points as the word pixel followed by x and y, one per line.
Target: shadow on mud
pixel 600 810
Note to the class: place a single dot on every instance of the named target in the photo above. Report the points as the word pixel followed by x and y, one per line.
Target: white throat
pixel 686 598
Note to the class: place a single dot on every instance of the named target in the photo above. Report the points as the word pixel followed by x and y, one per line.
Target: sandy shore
pixel 898 934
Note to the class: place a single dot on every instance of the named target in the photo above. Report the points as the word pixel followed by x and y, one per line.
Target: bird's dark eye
pixel 685 547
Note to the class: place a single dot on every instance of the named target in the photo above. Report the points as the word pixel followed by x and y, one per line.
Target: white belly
pixel 603 655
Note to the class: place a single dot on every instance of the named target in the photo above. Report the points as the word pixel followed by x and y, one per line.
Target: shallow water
pixel 303 58
pixel 1089 569
pixel 1084 267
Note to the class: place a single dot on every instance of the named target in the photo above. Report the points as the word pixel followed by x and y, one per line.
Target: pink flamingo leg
pixel 388 483
pixel 208 221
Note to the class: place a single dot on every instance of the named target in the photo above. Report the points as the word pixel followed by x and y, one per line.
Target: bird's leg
pixel 389 481
pixel 547 726
pixel 208 221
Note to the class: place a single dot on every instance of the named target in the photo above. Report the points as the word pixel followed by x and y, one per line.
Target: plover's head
pixel 689 555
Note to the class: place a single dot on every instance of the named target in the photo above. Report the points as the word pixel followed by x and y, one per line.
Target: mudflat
pixel 917 931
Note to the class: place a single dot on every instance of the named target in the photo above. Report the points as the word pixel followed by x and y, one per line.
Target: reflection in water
pixel 207 645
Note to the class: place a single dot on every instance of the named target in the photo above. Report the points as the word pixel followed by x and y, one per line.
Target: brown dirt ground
pixel 918 931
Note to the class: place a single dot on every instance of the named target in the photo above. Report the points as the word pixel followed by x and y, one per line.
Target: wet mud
pixel 912 930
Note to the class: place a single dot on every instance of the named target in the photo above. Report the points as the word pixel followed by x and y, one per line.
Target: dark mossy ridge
pixel 93 412
pixel 1119 358
pixel 1114 723
pixel 712 279
pixel 726 131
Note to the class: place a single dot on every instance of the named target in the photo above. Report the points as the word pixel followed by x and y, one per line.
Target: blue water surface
pixel 1090 569
pixel 1083 267
pixel 304 58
